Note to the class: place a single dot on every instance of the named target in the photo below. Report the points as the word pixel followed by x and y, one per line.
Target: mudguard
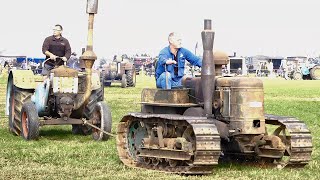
pixel 24 79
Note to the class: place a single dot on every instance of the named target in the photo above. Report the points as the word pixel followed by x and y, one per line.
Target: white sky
pixel 249 27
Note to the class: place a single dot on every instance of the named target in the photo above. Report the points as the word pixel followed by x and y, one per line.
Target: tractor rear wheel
pixel 96 96
pixel 17 98
pixel 29 121
pixel 315 72
pixel 102 115
pixel 131 78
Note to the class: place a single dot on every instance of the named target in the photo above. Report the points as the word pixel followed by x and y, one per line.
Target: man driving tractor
pixel 55 47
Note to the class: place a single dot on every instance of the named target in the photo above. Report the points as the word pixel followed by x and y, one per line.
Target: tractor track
pixel 299 139
pixel 206 154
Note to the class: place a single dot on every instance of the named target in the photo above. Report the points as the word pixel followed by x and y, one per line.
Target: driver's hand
pixel 170 61
pixel 64 59
pixel 53 57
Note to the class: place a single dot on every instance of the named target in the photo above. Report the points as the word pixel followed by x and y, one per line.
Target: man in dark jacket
pixel 54 47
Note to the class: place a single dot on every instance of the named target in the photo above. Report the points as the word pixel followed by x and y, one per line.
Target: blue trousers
pixel 172 82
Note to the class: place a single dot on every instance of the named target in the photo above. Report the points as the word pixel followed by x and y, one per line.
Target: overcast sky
pixel 249 27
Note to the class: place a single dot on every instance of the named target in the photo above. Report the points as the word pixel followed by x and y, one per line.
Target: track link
pixel 207 139
pixel 299 139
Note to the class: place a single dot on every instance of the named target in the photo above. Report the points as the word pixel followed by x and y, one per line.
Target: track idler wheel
pixel 135 138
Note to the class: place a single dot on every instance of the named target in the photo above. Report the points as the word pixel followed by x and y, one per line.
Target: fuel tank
pixel 237 100
pixel 242 103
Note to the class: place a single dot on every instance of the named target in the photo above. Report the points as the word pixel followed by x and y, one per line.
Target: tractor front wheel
pixel 17 97
pixel 131 78
pixel 297 75
pixel 315 72
pixel 29 121
pixel 102 115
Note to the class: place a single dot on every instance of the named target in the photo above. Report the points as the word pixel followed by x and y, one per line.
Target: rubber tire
pixel 96 96
pixel 297 75
pixel 124 81
pixel 29 121
pixel 17 98
pixel 313 72
pixel 131 78
pixel 103 112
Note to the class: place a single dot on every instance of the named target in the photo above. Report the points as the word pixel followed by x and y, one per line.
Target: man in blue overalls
pixel 172 61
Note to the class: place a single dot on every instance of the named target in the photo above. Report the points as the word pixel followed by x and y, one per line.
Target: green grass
pixel 58 154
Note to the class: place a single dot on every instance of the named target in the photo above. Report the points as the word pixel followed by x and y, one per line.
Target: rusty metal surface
pixel 242 104
pixel 299 145
pixel 128 66
pixel 195 93
pixel 220 58
pixel 171 104
pixel 205 155
pixel 288 145
pixel 174 96
pixel 165 153
pixel 60 121
pixel 208 68
pixel 165 116
pixel 63 71
pixel 239 82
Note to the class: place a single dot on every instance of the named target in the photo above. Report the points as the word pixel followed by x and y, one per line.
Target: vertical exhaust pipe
pixel 208 69
pixel 88 57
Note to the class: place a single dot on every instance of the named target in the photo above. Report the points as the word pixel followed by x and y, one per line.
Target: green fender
pixel 24 79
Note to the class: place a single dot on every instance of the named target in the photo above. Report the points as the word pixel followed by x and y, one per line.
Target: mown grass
pixel 58 154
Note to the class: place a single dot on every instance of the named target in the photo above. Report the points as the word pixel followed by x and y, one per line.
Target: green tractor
pixel 63 97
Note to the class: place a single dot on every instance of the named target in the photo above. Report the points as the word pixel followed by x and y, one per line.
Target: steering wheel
pixel 53 63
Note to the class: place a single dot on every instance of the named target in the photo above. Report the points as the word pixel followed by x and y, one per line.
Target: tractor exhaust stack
pixel 208 69
pixel 88 56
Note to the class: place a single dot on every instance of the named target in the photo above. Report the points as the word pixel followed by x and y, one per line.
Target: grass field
pixel 58 154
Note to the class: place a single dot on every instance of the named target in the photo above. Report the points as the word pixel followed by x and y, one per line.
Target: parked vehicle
pixel 119 71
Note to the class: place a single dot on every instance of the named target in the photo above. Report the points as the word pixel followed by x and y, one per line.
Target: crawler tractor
pixel 63 97
pixel 213 118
